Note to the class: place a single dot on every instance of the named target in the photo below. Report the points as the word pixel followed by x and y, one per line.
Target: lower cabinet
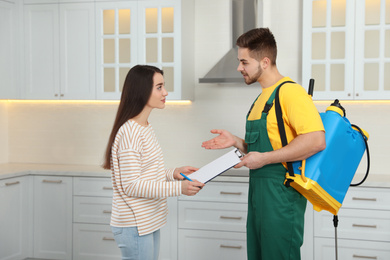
pixel 15 220
pixel 363 230
pixel 212 223
pixel 52 217
pixel 94 242
pixel 206 244
pixel 92 236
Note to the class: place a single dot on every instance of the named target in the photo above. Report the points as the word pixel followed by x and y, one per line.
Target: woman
pixel 140 181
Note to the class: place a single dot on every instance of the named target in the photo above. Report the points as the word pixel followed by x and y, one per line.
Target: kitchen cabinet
pixel 9 50
pixel 144 32
pixel 52 217
pixel 92 236
pixel 363 230
pixel 59 51
pixel 346 48
pixel 15 221
pixel 212 223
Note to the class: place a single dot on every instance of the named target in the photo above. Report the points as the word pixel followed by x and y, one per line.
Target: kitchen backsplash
pixel 76 133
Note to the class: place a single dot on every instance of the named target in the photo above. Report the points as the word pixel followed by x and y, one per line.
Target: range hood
pixel 243 19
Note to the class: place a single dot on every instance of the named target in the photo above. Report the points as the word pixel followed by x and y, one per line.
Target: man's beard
pixel 255 77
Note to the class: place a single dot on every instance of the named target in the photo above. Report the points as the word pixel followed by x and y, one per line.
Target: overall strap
pixel 282 130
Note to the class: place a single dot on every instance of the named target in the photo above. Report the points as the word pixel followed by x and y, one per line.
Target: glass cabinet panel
pixel 319 13
pixel 387 76
pixel 151 20
pixel 337 45
pixel 109 50
pixel 124 24
pixel 169 78
pixel 371 47
pixel 371 76
pixel 167 49
pixel 151 50
pixel 167 15
pixel 108 21
pixel 318 50
pixel 318 73
pixel 387 12
pixel 338 12
pixel 337 77
pixel 373 8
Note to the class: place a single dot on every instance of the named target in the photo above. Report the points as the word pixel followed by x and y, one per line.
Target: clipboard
pixel 217 167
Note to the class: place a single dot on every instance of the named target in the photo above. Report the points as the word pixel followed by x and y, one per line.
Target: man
pixel 275 212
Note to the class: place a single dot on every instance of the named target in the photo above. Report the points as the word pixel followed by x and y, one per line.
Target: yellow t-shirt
pixel 300 116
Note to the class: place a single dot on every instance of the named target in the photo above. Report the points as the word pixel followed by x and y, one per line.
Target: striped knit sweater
pixel 140 181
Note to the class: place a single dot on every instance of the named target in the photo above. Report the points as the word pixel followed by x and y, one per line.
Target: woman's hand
pixel 185 170
pixel 224 140
pixel 190 188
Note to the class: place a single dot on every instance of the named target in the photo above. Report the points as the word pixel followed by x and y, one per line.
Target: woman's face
pixel 157 98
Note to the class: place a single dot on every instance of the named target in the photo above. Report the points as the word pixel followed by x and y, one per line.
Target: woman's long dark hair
pixel 135 95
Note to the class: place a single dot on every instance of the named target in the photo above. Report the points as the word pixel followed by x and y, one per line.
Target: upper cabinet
pixel 141 32
pixel 83 50
pixel 9 50
pixel 59 46
pixel 346 48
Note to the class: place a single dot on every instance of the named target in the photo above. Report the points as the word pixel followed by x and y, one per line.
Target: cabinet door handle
pixel 107 188
pixel 230 193
pixel 108 238
pixel 225 217
pixel 52 181
pixel 366 199
pixel 365 257
pixel 234 247
pixel 11 183
pixel 107 211
pixel 364 226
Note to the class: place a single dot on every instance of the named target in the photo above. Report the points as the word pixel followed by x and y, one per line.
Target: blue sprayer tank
pixel 325 177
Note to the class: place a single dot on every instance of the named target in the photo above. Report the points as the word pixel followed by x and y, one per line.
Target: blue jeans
pixel 135 247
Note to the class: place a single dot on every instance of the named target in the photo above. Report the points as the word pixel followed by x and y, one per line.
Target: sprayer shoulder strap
pixel 282 130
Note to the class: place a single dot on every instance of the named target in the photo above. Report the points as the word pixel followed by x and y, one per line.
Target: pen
pixel 185 177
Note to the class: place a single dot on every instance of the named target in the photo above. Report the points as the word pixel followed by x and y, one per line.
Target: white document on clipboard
pixel 217 167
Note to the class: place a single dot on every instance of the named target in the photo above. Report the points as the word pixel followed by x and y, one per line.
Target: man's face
pixel 248 67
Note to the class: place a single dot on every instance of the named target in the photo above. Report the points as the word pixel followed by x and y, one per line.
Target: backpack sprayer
pixel 324 178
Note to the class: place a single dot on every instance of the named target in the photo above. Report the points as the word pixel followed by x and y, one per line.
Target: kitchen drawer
pixel 354 224
pixel 221 192
pixel 211 245
pixel 92 209
pixel 324 249
pixel 92 187
pixel 212 216
pixel 94 242
pixel 367 198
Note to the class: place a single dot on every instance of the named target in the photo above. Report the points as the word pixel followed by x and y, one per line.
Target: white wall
pixel 76 133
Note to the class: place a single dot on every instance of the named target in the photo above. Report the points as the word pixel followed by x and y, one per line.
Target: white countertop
pixel 10 170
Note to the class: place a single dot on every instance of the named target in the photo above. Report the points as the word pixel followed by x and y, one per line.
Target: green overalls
pixel 275 213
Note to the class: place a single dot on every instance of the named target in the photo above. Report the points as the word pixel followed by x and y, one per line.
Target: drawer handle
pixel 107 211
pixel 365 226
pixel 234 247
pixel 225 217
pixel 230 193
pixel 11 183
pixel 108 238
pixel 366 199
pixel 107 188
pixel 365 257
pixel 51 181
